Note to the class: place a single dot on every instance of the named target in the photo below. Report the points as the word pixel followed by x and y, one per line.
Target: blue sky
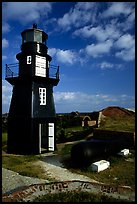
pixel 92 42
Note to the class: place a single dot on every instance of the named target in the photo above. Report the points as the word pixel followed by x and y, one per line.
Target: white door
pixel 51 136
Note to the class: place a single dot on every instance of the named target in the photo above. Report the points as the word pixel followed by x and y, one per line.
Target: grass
pixel 126 123
pixel 76 197
pixel 4 141
pixel 23 165
pixel 120 172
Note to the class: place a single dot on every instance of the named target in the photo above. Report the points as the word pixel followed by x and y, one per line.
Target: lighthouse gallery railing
pixel 12 70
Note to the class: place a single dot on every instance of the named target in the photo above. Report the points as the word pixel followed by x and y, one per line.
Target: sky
pixel 93 43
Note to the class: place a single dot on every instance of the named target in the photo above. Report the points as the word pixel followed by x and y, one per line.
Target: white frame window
pixel 40 66
pixel 42 96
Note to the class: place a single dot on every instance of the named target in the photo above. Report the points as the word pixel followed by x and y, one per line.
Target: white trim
pixel 38 48
pixel 51 136
pixel 42 96
pixel 39 138
pixel 40 66
pixel 29 59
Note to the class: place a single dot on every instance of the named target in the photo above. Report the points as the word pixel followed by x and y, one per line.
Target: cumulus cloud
pixel 6 27
pixel 71 101
pixel 81 14
pixel 5 43
pixel 79 101
pixel 118 8
pixel 66 56
pixel 100 33
pixel 126 45
pixel 65 96
pixel 63 56
pixel 25 12
pixel 6 92
pixel 96 50
pixel 125 41
pixel 126 55
pixel 52 51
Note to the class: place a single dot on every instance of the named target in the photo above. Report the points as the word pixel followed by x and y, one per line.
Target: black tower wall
pixel 32 117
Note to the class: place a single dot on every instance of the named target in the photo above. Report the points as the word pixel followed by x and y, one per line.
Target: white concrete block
pixel 100 165
pixel 124 152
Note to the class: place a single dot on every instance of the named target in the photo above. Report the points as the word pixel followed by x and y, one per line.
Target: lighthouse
pixel 32 116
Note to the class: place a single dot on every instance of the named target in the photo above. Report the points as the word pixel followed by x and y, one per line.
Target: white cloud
pixel 96 50
pixel 131 18
pixel 4 57
pixel 63 56
pixel 25 12
pixel 101 34
pixel 65 96
pixel 126 55
pixel 117 8
pixel 106 65
pixel 72 101
pixel 127 23
pixel 6 92
pixel 66 56
pixel 125 41
pixel 5 27
pixel 127 45
pixel 5 43
pixel 79 101
pixel 82 13
pixel 52 51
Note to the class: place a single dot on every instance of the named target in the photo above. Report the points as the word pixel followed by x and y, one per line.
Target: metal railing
pixel 54 71
pixel 12 70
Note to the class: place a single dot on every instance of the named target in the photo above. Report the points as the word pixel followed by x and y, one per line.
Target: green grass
pixel 120 172
pixel 24 165
pixel 76 197
pixel 4 141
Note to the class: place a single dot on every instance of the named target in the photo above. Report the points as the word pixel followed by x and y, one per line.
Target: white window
pixel 40 66
pixel 42 96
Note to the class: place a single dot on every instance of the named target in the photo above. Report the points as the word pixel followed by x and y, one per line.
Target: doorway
pixel 46 137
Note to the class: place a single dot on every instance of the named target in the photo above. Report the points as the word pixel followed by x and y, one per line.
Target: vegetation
pixel 76 197
pixel 73 134
pixel 24 165
pixel 4 141
pixel 123 123
pixel 120 172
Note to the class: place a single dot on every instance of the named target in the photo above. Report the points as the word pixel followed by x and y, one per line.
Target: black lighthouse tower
pixel 32 119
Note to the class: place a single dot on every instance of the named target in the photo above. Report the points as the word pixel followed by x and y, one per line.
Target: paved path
pixel 12 181
pixel 19 187
pixel 54 168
